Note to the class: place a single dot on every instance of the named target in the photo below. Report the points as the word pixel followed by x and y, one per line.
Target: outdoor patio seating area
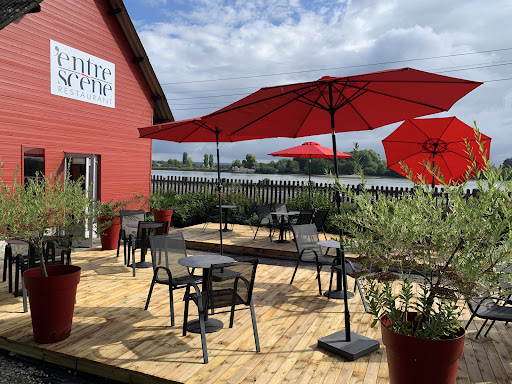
pixel 114 337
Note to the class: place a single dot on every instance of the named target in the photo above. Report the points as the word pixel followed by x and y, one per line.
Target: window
pixel 33 163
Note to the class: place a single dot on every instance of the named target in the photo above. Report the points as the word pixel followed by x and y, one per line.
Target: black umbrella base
pixel 338 294
pixel 210 326
pixel 357 347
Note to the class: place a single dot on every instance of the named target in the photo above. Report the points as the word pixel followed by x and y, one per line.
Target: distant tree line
pixel 366 160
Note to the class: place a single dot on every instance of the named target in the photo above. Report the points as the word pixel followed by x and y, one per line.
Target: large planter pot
pixel 418 361
pixel 163 215
pixel 110 235
pixel 52 301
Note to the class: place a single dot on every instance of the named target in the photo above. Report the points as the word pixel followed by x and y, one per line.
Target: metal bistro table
pixel 224 211
pixel 205 262
pixel 338 292
pixel 281 238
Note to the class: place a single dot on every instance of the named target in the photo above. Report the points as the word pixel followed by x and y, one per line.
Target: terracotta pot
pixel 110 235
pixel 52 301
pixel 163 215
pixel 421 361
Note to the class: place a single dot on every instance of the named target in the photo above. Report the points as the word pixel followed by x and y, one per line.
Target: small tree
pixel 30 210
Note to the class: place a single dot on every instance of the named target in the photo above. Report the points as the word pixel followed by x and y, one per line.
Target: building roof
pixel 161 111
pixel 11 10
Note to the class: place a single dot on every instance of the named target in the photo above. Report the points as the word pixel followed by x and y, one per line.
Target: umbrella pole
pixel 219 188
pixel 309 181
pixel 350 345
pixel 433 174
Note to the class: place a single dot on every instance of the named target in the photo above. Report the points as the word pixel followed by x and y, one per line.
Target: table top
pixel 204 261
pixel 330 243
pixel 134 224
pixel 226 206
pixel 285 213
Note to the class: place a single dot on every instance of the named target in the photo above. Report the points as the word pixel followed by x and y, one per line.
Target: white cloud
pixel 216 39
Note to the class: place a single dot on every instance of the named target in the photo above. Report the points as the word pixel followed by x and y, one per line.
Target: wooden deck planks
pixel 113 336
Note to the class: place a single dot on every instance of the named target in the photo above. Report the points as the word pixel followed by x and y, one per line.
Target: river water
pixel 349 180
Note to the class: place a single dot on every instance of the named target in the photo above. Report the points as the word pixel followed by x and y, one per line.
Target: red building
pixel 75 84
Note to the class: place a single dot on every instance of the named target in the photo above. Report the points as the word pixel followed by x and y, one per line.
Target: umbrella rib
pixel 267 113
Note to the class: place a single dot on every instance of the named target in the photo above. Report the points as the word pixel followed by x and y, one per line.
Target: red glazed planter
pixel 52 301
pixel 421 361
pixel 163 215
pixel 110 236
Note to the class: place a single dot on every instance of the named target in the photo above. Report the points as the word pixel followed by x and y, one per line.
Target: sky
pixel 210 53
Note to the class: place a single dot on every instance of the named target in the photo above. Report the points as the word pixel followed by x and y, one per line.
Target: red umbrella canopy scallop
pixel 441 141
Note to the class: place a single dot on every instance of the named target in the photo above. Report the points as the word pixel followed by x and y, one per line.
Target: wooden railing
pixel 264 191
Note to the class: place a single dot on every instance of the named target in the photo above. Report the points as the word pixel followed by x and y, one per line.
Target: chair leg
pixel 318 270
pixel 257 229
pixel 203 337
pixel 488 329
pixel 480 330
pixel 295 271
pixel 330 284
pixel 255 327
pixel 149 293
pixel 185 312
pixel 25 306
pixel 362 296
pixel 119 242
pixel 470 320
pixel 171 304
pixel 133 261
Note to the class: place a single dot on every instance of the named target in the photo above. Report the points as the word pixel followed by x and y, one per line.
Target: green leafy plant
pixel 443 253
pixel 163 200
pixel 31 210
pixel 111 209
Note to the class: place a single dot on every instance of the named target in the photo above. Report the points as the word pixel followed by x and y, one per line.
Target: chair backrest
pixel 252 209
pixel 264 212
pixel 304 217
pixel 131 216
pixel 166 250
pixel 320 217
pixel 237 288
pixel 306 240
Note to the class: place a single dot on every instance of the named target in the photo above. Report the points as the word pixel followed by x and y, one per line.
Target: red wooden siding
pixel 31 116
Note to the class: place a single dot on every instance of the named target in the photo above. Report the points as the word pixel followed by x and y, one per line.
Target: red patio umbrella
pixel 192 131
pixel 310 150
pixel 442 142
pixel 341 104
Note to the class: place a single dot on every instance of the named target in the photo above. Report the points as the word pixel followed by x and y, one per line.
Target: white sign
pixel 80 76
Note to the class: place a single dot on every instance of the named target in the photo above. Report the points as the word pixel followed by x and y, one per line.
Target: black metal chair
pixel 166 250
pixel 128 216
pixel 304 217
pixel 212 216
pixel 494 308
pixel 141 240
pixel 248 216
pixel 232 290
pixel 319 220
pixel 308 250
pixel 264 212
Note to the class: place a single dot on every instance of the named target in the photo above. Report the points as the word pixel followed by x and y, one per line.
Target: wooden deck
pixel 114 337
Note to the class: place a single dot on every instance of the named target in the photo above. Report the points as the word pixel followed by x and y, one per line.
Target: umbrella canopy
pixel 340 104
pixel 310 150
pixel 442 142
pixel 192 131
pixel 353 103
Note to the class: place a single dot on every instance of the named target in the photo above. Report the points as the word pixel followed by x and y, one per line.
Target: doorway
pixel 86 165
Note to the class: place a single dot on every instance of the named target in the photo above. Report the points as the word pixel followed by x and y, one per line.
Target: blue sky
pixel 210 53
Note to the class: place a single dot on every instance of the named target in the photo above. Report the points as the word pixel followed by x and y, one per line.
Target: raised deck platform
pixel 114 337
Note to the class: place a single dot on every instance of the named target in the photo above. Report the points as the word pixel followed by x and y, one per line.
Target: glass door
pixel 86 165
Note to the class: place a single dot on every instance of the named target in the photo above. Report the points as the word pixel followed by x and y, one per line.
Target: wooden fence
pixel 264 191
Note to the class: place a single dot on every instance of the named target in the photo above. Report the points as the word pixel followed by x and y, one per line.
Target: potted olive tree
pixel 108 218
pixel 30 212
pixel 443 252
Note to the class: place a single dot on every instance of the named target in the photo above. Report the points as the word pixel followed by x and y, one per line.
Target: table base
pixel 281 241
pixel 143 264
pixel 210 326
pixel 226 230
pixel 338 294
